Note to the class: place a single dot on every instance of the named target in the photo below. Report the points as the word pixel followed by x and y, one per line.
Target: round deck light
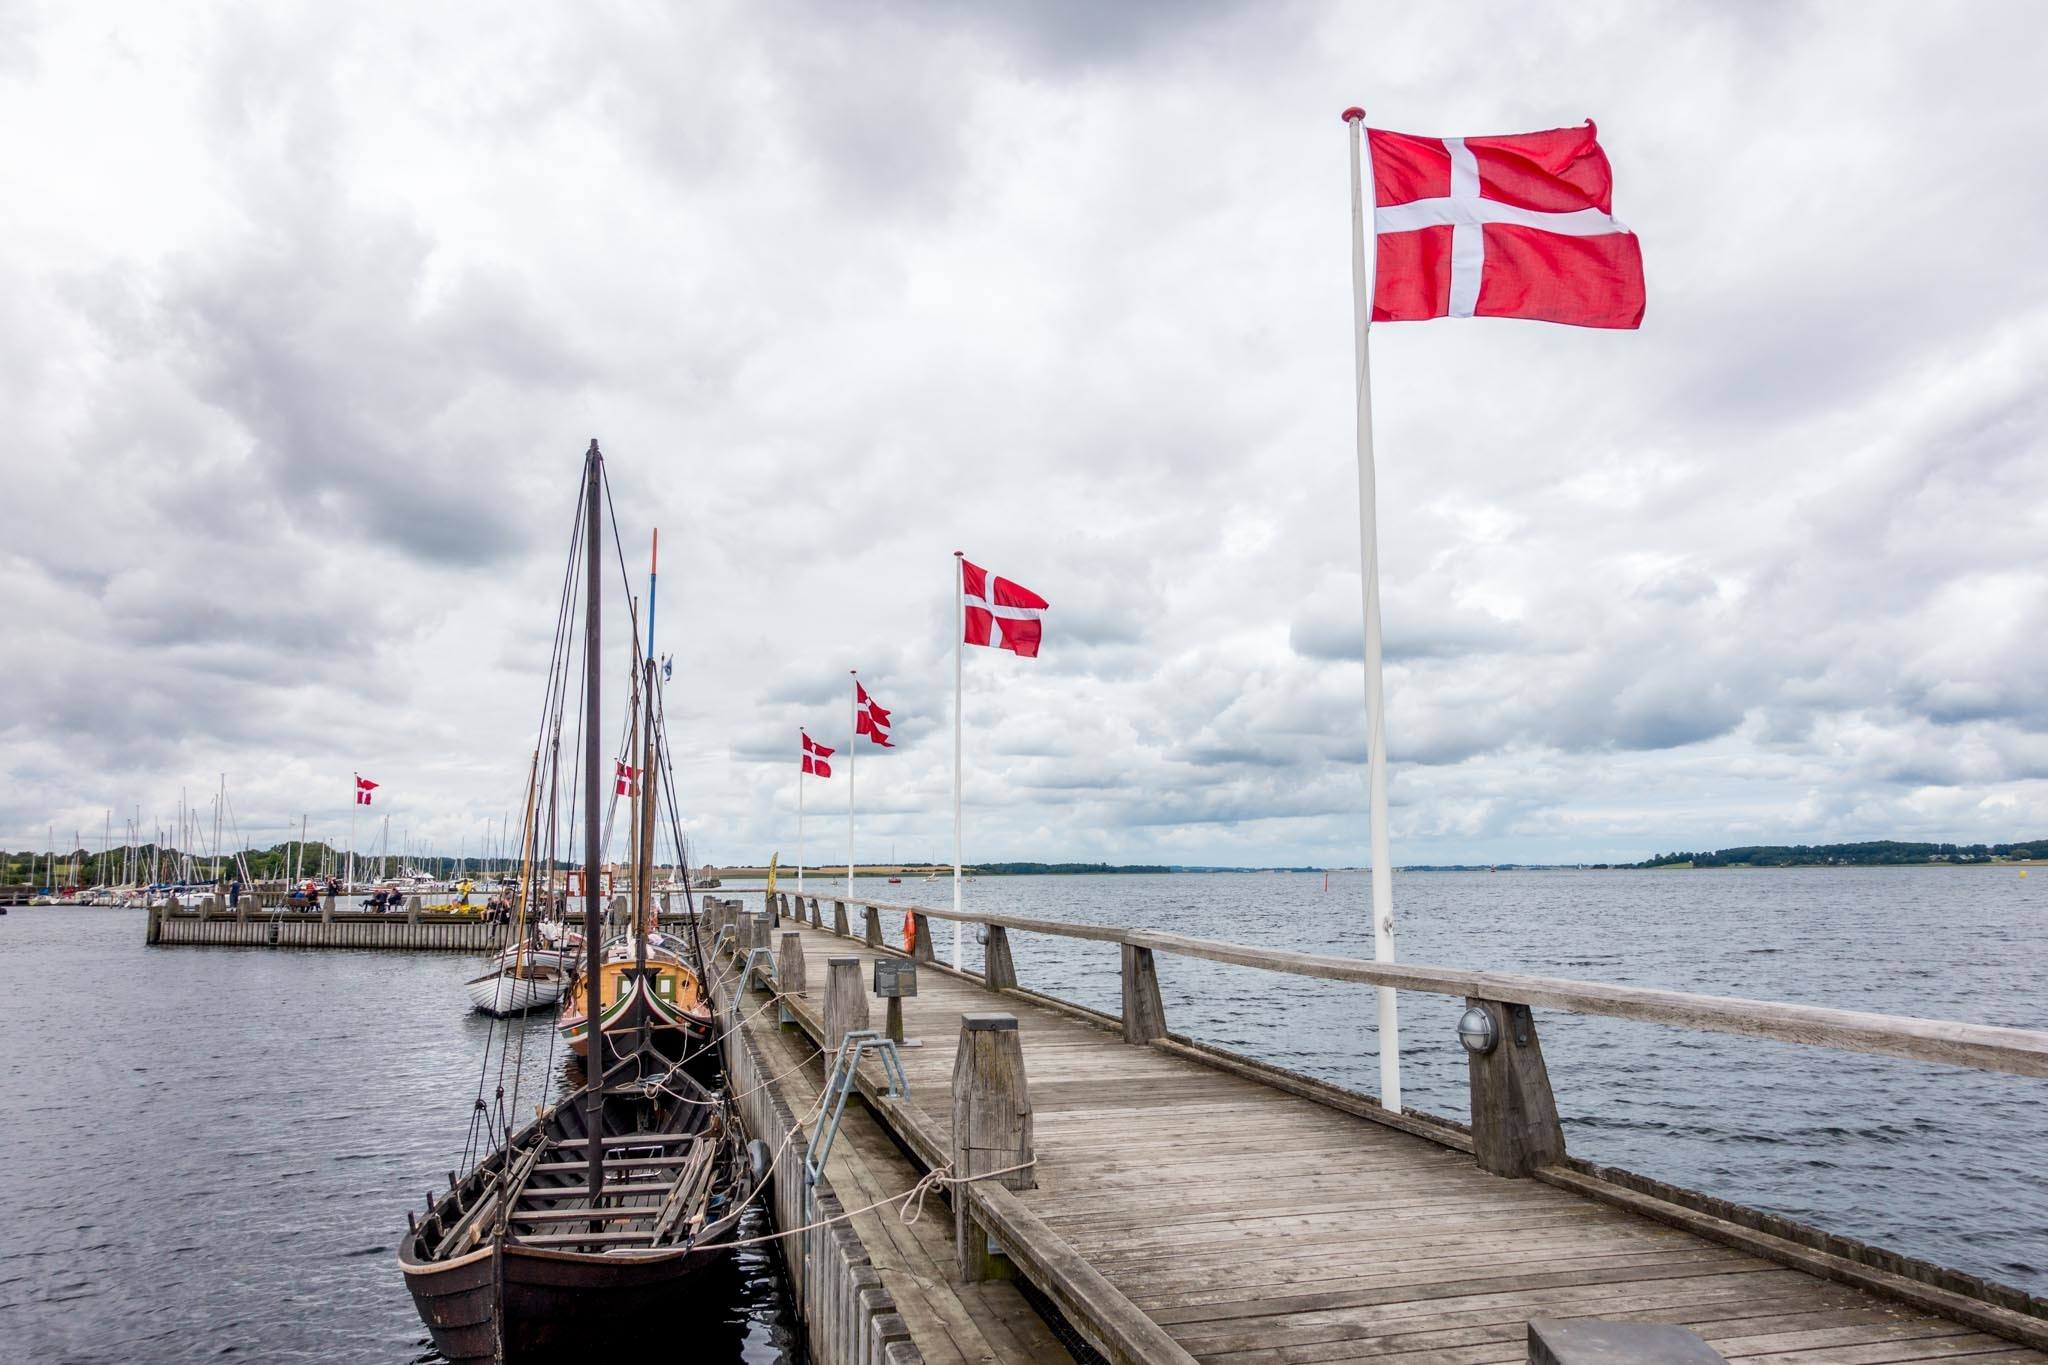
pixel 1477 1032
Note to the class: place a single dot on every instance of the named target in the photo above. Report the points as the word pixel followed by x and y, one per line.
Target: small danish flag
pixel 814 756
pixel 625 783
pixel 870 719
pixel 364 786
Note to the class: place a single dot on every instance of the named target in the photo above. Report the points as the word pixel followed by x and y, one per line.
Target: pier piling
pixel 1514 1115
pixel 991 1130
pixel 846 1000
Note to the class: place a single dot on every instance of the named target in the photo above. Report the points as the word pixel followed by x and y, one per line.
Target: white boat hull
pixel 501 993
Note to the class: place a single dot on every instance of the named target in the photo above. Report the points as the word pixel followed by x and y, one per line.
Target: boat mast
pixel 593 929
pixel 643 879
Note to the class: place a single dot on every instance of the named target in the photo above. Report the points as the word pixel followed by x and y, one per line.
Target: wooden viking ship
pixel 581 1229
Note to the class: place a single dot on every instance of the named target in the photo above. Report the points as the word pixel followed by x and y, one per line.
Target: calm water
pixel 210 1151
pixel 1933 1161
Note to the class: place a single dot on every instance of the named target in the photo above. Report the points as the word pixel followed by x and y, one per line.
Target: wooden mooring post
pixel 789 964
pixel 1514 1116
pixel 846 1000
pixel 871 926
pixel 839 919
pixel 991 1130
pixel 1144 1012
pixel 999 969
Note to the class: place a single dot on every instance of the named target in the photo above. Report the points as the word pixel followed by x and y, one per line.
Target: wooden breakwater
pixel 409 929
pixel 1186 1203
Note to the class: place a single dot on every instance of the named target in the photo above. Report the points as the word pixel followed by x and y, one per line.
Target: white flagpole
pixel 959 636
pixel 802 759
pixel 355 797
pixel 1369 571
pixel 852 748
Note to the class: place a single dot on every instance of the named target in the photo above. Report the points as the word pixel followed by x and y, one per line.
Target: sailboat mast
pixel 593 928
pixel 643 880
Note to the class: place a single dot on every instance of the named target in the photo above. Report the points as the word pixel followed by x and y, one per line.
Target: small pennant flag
pixel 1003 615
pixel 870 719
pixel 814 756
pixel 364 786
pixel 626 783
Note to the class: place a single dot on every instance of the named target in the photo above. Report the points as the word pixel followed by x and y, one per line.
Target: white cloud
pixel 305 320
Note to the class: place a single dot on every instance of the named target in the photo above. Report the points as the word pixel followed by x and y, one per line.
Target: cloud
pixel 309 321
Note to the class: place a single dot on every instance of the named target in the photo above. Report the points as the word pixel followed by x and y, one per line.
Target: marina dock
pixel 1178 1202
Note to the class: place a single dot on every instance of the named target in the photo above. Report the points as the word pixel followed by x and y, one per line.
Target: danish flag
pixel 1519 226
pixel 815 755
pixel 364 786
pixel 625 779
pixel 870 719
pixel 1014 612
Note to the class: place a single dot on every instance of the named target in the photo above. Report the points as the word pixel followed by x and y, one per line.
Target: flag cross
pixel 1466 213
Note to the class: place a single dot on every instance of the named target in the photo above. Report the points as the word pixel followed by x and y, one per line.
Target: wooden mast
pixel 593 925
pixel 643 877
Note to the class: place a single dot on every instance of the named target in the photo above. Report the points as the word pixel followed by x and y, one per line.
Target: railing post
pixel 839 919
pixel 871 927
pixel 327 908
pixel 789 964
pixel 921 944
pixel 1144 1011
pixel 991 1129
pixel 1514 1115
pixel 817 919
pixel 846 1000
pixel 999 969
pixel 412 909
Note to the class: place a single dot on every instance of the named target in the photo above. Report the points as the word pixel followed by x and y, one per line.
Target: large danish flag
pixel 815 755
pixel 1012 613
pixel 1520 226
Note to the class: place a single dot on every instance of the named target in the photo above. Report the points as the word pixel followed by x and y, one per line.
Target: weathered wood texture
pixel 921 941
pixel 1144 1012
pixel 1186 1211
pixel 839 918
pixel 2022 1052
pixel 1514 1115
pixel 426 933
pixel 1583 1341
pixel 999 968
pixel 789 964
pixel 846 1000
pixel 991 1125
pixel 849 1314
pixel 871 926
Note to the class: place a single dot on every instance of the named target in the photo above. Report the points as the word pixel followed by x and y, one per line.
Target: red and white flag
pixel 625 779
pixel 1004 615
pixel 870 719
pixel 364 786
pixel 1518 226
pixel 814 755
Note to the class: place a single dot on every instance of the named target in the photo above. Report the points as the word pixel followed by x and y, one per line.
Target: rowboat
pixel 516 988
pixel 517 1263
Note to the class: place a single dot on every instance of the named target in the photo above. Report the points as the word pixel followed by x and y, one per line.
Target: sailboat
pixel 580 1232
pixel 647 991
pixel 525 982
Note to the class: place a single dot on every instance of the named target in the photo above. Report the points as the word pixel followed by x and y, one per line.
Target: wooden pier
pixel 1185 1203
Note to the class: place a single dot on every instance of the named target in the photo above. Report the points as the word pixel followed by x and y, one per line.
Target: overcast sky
pixel 307 313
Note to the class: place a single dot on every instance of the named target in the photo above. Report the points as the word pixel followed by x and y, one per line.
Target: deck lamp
pixel 1477 1032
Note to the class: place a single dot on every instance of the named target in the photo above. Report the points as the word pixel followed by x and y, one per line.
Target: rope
pixel 911 1199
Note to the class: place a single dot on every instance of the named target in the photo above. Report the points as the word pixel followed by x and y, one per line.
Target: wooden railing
pixel 1985 1047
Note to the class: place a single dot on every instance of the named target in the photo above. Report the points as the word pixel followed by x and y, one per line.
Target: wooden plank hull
pixel 556 1305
